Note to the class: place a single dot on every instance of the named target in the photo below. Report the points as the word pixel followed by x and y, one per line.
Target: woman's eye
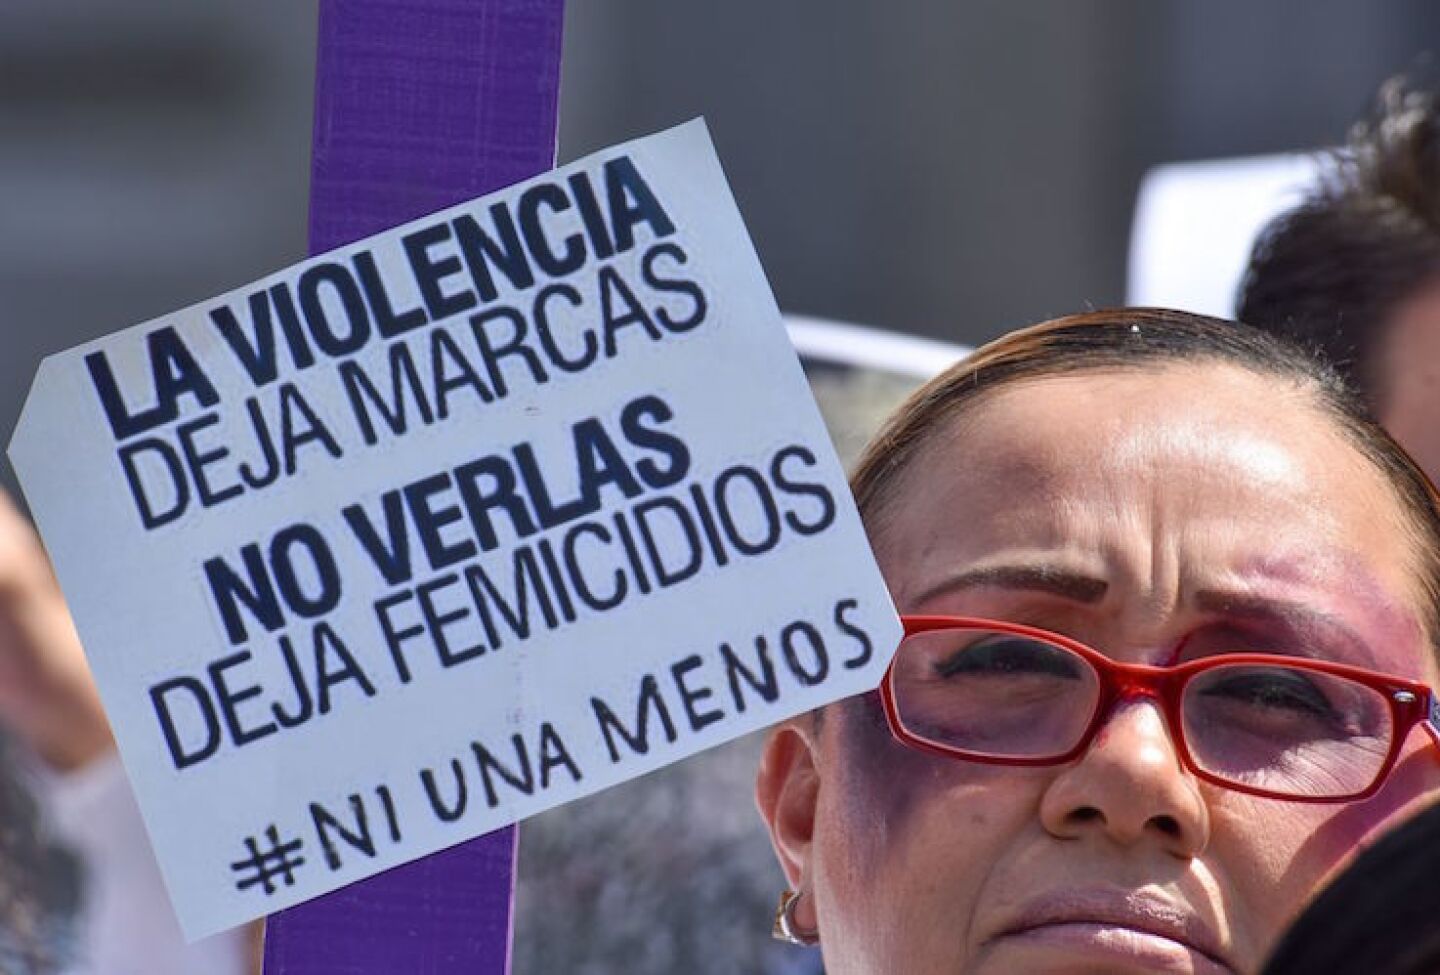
pixel 1008 655
pixel 1273 691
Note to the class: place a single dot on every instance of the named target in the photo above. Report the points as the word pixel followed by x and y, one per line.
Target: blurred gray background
pixel 948 168
pixel 952 169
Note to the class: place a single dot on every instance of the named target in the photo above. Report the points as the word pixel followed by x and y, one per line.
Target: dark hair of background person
pixel 1129 339
pixel 1378 916
pixel 1329 273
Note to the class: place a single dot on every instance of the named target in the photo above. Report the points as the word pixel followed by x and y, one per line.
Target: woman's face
pixel 1131 511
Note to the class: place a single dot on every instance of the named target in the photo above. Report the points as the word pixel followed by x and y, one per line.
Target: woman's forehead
pixel 1091 433
pixel 1205 472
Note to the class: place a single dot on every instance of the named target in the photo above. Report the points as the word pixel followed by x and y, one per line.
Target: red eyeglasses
pixel 1266 725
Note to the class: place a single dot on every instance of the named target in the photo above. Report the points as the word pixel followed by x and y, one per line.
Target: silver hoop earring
pixel 786 929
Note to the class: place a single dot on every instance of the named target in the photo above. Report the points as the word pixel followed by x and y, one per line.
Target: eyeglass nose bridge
pixel 1139 682
pixel 1135 683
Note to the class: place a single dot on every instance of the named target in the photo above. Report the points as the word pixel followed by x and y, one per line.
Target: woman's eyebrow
pixel 1303 622
pixel 1057 581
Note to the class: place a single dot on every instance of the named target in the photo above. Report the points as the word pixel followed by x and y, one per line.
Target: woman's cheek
pixel 1270 858
pixel 879 779
pixel 892 807
pixel 1317 841
pixel 884 785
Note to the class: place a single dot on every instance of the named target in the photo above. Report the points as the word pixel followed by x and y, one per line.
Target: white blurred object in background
pixel 1195 223
pixel 863 347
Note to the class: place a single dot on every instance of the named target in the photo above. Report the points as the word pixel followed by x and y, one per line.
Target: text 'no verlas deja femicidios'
pixel 432 532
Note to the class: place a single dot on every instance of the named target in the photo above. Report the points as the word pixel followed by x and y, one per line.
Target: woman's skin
pixel 1127 511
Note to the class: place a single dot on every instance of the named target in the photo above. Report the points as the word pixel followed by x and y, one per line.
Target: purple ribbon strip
pixel 420 104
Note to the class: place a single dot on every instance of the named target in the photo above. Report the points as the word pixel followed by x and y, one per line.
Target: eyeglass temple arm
pixel 1432 721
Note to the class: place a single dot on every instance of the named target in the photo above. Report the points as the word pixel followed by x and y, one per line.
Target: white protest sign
pixel 450 526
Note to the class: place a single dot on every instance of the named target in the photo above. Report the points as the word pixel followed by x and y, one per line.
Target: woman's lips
pixel 1142 930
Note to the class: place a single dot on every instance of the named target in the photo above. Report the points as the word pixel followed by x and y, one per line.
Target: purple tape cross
pixel 420 104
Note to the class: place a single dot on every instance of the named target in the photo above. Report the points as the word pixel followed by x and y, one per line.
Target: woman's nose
pixel 1129 787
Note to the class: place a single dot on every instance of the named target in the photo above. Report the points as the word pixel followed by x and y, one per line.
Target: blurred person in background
pixel 48 706
pixel 39 883
pixel 1165 660
pixel 80 891
pixel 1354 270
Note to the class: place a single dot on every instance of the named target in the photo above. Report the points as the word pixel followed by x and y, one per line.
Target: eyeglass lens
pixel 1280 729
pixel 1283 729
